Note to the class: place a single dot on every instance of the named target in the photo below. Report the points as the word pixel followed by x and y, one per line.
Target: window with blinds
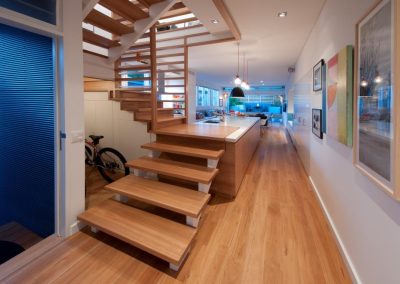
pixel 27 130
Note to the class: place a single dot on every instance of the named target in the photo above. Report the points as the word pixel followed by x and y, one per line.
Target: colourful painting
pixel 340 96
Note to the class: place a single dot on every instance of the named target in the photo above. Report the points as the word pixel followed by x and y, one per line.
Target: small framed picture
pixel 316 122
pixel 317 76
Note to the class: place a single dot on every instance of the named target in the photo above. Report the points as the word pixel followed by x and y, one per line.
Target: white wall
pixel 72 120
pixel 120 131
pixel 366 220
pixel 97 67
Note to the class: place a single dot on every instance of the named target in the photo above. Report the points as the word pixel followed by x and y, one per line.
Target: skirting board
pixel 75 227
pixel 345 255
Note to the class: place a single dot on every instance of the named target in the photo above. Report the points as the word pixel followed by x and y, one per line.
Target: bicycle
pixel 109 162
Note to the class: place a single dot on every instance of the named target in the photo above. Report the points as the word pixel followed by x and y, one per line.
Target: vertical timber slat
pixel 153 78
pixel 186 76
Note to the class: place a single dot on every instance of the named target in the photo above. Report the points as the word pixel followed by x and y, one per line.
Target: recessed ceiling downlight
pixel 214 21
pixel 282 14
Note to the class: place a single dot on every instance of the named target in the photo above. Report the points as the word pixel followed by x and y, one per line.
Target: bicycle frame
pixel 94 150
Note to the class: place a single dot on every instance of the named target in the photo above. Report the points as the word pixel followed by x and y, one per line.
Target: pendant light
pixel 238 81
pixel 237 92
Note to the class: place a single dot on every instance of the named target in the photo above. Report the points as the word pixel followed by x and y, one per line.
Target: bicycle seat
pixel 96 138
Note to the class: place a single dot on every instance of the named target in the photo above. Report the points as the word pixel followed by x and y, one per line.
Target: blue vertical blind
pixel 44 10
pixel 27 130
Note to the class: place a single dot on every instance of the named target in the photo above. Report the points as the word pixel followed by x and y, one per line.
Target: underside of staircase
pixel 148 43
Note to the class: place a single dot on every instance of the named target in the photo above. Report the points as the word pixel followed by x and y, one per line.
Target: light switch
pixel 77 136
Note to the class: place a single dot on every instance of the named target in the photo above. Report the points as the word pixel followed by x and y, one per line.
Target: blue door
pixel 27 131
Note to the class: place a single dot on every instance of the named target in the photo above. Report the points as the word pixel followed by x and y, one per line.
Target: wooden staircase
pixel 153 86
pixel 157 235
pixel 151 79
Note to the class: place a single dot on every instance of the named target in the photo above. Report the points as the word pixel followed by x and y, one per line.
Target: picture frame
pixel 324 98
pixel 316 122
pixel 339 100
pixel 317 76
pixel 376 96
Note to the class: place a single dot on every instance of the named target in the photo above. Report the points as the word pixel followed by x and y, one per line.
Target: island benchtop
pixel 230 130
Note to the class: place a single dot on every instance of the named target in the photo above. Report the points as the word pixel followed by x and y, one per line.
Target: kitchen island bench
pixel 237 136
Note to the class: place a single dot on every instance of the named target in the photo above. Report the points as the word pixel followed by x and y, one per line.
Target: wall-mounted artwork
pixel 317 122
pixel 324 98
pixel 377 97
pixel 340 96
pixel 317 76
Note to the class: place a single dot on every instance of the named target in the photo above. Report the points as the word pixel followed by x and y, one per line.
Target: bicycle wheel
pixel 111 164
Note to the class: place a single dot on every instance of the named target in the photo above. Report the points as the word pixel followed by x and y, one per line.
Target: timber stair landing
pixel 161 237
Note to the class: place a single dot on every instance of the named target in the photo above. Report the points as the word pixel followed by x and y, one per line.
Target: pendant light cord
pixel 244 65
pixel 247 76
pixel 238 44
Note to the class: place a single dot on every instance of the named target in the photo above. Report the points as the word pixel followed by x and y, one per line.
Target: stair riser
pixel 130 95
pixel 165 113
pixel 132 106
pixel 142 116
pixel 170 123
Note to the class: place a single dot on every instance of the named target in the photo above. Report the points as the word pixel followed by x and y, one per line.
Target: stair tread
pixel 137 67
pixel 107 23
pixel 131 99
pixel 184 150
pixel 93 38
pixel 161 237
pixel 139 90
pixel 171 197
pixel 175 169
pixel 165 119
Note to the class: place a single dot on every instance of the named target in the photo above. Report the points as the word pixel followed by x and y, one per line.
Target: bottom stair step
pixel 158 236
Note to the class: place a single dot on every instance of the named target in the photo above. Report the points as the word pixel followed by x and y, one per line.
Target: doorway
pixel 28 145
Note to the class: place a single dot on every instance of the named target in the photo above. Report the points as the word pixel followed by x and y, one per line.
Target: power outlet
pixel 77 136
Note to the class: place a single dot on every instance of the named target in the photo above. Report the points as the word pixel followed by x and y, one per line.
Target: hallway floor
pixel 273 232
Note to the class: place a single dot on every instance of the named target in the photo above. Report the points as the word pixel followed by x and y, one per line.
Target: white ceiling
pixel 271 44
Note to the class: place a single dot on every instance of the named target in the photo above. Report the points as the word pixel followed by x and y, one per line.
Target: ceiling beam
pixel 140 27
pixel 226 15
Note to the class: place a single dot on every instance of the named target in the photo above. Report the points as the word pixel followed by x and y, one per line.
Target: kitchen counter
pixel 241 122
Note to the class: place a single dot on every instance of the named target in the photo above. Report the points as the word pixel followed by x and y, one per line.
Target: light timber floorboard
pixel 273 232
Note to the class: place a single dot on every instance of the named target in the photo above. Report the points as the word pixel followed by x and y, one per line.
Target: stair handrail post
pixel 154 95
pixel 186 77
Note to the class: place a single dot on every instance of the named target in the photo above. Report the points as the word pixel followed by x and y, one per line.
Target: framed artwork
pixel 324 98
pixel 317 122
pixel 377 117
pixel 339 102
pixel 317 76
